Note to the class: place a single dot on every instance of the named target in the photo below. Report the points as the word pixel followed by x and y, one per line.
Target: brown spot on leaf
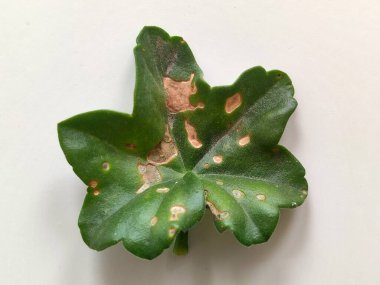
pixel 130 146
pixel 172 232
pixel 165 151
pixel 233 103
pixel 238 194
pixel 153 221
pixel 261 197
pixel 218 159
pixel 162 190
pixel 220 215
pixel 192 135
pixel 96 192
pixel 93 184
pixel 150 175
pixel 275 150
pixel 106 165
pixel 178 94
pixel 244 140
pixel 200 105
pixel 176 211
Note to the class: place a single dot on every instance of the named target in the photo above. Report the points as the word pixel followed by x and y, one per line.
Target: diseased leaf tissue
pixel 186 147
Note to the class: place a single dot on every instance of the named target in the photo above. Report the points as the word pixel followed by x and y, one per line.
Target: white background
pixel 61 58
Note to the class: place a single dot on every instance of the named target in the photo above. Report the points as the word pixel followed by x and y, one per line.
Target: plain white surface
pixel 61 58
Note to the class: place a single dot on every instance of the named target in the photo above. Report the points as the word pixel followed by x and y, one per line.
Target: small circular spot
pixel 167 138
pixel 304 192
pixel 96 192
pixel 218 159
pixel 223 215
pixel 163 190
pixel 176 211
pixel 172 232
pixel 106 165
pixel 130 146
pixel 205 193
pixel 238 194
pixel 232 103
pixel 206 166
pixel 219 182
pixel 93 184
pixel 261 197
pixel 294 204
pixel 275 150
pixel 200 105
pixel 141 168
pixel 153 221
pixel 244 140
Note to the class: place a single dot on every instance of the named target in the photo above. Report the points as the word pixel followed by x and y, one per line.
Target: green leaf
pixel 185 148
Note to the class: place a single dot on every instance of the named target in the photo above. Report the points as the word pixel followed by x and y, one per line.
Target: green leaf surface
pixel 185 148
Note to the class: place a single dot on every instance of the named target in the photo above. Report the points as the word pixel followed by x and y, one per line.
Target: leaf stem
pixel 181 244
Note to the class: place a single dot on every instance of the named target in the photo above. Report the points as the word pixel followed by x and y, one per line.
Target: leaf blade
pixel 184 136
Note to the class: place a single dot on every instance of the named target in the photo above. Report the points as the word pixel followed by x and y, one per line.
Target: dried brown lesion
pixel 176 211
pixel 244 140
pixel 177 100
pixel 219 215
pixel 192 135
pixel 150 175
pixel 178 95
pixel 93 183
pixel 217 159
pixel 130 146
pixel 165 151
pixel 232 103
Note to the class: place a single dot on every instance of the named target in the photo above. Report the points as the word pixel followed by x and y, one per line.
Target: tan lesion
pixel 232 103
pixel 219 215
pixel 178 94
pixel 153 221
pixel 130 146
pixel 244 140
pixel 192 135
pixel 217 159
pixel 93 184
pixel 150 175
pixel 177 100
pixel 176 211
pixel 238 194
pixel 171 232
pixel 165 151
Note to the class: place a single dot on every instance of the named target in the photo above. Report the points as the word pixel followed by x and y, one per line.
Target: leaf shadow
pixel 61 204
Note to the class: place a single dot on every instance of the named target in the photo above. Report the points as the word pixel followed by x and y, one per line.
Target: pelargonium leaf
pixel 185 148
